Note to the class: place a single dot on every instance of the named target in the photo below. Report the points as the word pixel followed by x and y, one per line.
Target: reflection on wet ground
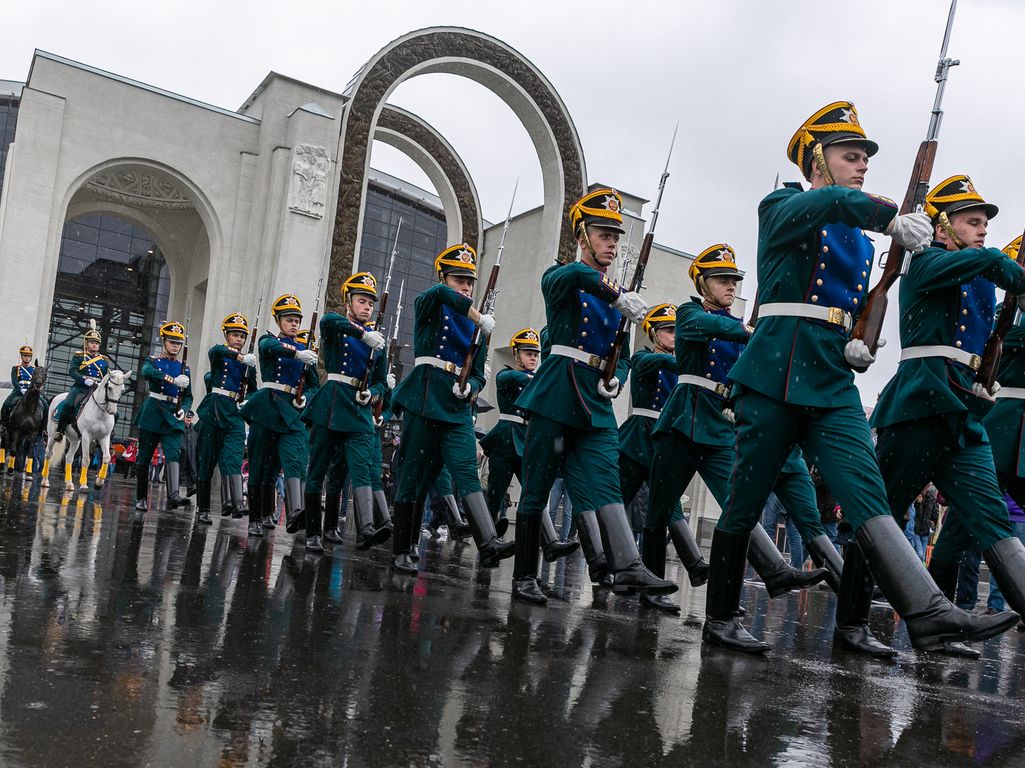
pixel 152 642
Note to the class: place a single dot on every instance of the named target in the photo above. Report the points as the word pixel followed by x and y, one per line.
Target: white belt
pixel 700 381
pixel 831 315
pixel 1011 393
pixel 645 412
pixel 162 396
pixel 579 355
pixel 226 392
pixel 511 417
pixel 437 362
pixel 91 378
pixel 352 381
pixel 938 350
pixel 279 387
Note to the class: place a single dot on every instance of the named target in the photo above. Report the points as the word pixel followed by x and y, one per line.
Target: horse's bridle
pixel 107 400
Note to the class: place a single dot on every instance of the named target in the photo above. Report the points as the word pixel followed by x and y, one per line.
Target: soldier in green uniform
pixel 437 422
pixel 86 369
pixel 21 380
pixel 341 416
pixel 221 441
pixel 277 438
pixel 694 435
pixel 571 419
pixel 794 384
pixel 929 417
pixel 160 417
pixel 504 443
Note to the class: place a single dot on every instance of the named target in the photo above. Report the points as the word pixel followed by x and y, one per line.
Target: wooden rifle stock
pixel 185 356
pixel 298 400
pixel 612 361
pixel 991 353
pixel 870 323
pixel 245 378
pixel 486 305
pixel 364 381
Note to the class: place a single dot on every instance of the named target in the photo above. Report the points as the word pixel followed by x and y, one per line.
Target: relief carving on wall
pixel 307 194
pixel 140 188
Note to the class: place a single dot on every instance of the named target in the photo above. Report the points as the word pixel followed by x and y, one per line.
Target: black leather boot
pixel 628 572
pixel 174 499
pixel 256 494
pixel 554 547
pixel 382 517
pixel 688 551
pixel 527 545
pixel 458 529
pixel 945 575
pixel 295 515
pixel 933 622
pixel 594 553
pixel 779 576
pixel 142 488
pixel 238 498
pixel 401 560
pixel 492 550
pixel 728 562
pixel 825 556
pixel 415 530
pixel 203 502
pixel 313 522
pixel 653 553
pixel 853 602
pixel 1006 560
pixel 367 535
pixel 227 507
pixel 332 523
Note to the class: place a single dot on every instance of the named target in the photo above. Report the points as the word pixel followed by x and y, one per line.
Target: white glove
pixel 487 371
pixel 90 383
pixel 911 230
pixel 390 380
pixel 462 394
pixel 374 340
pixel 980 391
pixel 379 421
pixel 486 323
pixel 363 396
pixel 179 414
pixel 631 305
pixel 307 356
pixel 249 360
pixel 181 381
pixel 857 354
pixel 729 415
pixel 610 391
pixel 300 403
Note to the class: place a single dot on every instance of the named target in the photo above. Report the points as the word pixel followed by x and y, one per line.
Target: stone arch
pixel 491 63
pixel 416 138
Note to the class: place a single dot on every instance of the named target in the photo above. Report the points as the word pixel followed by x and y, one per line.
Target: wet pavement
pixel 126 643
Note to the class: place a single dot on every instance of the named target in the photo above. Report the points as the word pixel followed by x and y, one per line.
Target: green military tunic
pixel 221 434
pixel 928 420
pixel 1005 423
pixel 503 444
pixel 157 418
pixel 793 384
pixel 437 426
pixel 570 422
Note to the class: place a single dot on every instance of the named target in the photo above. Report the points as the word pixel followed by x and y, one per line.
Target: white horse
pixel 95 422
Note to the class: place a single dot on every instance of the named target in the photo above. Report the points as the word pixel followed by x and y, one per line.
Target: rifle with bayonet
pixel 241 396
pixel 299 401
pixel 487 304
pixel 612 361
pixel 987 373
pixel 185 353
pixel 393 349
pixel 382 309
pixel 870 323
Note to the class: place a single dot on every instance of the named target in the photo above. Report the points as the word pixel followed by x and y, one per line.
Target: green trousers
pixel 220 447
pixel 953 454
pixel 329 449
pixel 376 463
pixel 589 459
pixel 634 474
pixel 171 443
pixel 836 440
pixel 426 445
pixel 501 470
pixel 271 451
pixel 796 492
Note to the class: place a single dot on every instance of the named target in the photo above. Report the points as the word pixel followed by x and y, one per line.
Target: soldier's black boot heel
pixel 628 572
pixel 933 622
pixel 382 518
pixel 778 575
pixel 590 544
pixel 527 546
pixel 256 493
pixel 688 551
pixel 332 523
pixel 825 556
pixel 853 602
pixel 401 560
pixel 653 553
pixel 203 502
pixel 458 529
pixel 728 562
pixel 553 546
pixel 367 535
pixel 314 517
pixel 492 550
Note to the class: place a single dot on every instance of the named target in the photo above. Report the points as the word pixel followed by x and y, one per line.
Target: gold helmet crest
pixel 601 208
pixel 236 321
pixel 286 304
pixel 173 330
pixel 457 260
pixel 835 123
pixel 718 259
pixel 361 282
pixel 526 338
pixel 659 316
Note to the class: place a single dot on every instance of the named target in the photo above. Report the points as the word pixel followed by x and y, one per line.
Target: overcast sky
pixel 739 75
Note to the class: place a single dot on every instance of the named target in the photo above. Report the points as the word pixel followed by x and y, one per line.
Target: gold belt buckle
pixel 975 362
pixel 836 316
pixel 720 389
pixel 449 367
pixel 594 361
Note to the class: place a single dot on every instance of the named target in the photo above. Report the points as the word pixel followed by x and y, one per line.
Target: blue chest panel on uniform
pixel 230 374
pixel 975 315
pixel 25 376
pixel 96 368
pixel 455 332
pixel 721 355
pixel 289 370
pixel 666 384
pixel 355 355
pixel 599 322
pixel 841 273
pixel 168 367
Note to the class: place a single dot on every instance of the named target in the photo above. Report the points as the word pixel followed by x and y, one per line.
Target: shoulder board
pixel 610 283
pixel 881 200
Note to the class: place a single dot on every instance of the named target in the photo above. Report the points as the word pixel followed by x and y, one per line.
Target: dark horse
pixel 26 420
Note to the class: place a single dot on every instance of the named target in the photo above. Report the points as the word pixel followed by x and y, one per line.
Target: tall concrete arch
pixel 498 67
